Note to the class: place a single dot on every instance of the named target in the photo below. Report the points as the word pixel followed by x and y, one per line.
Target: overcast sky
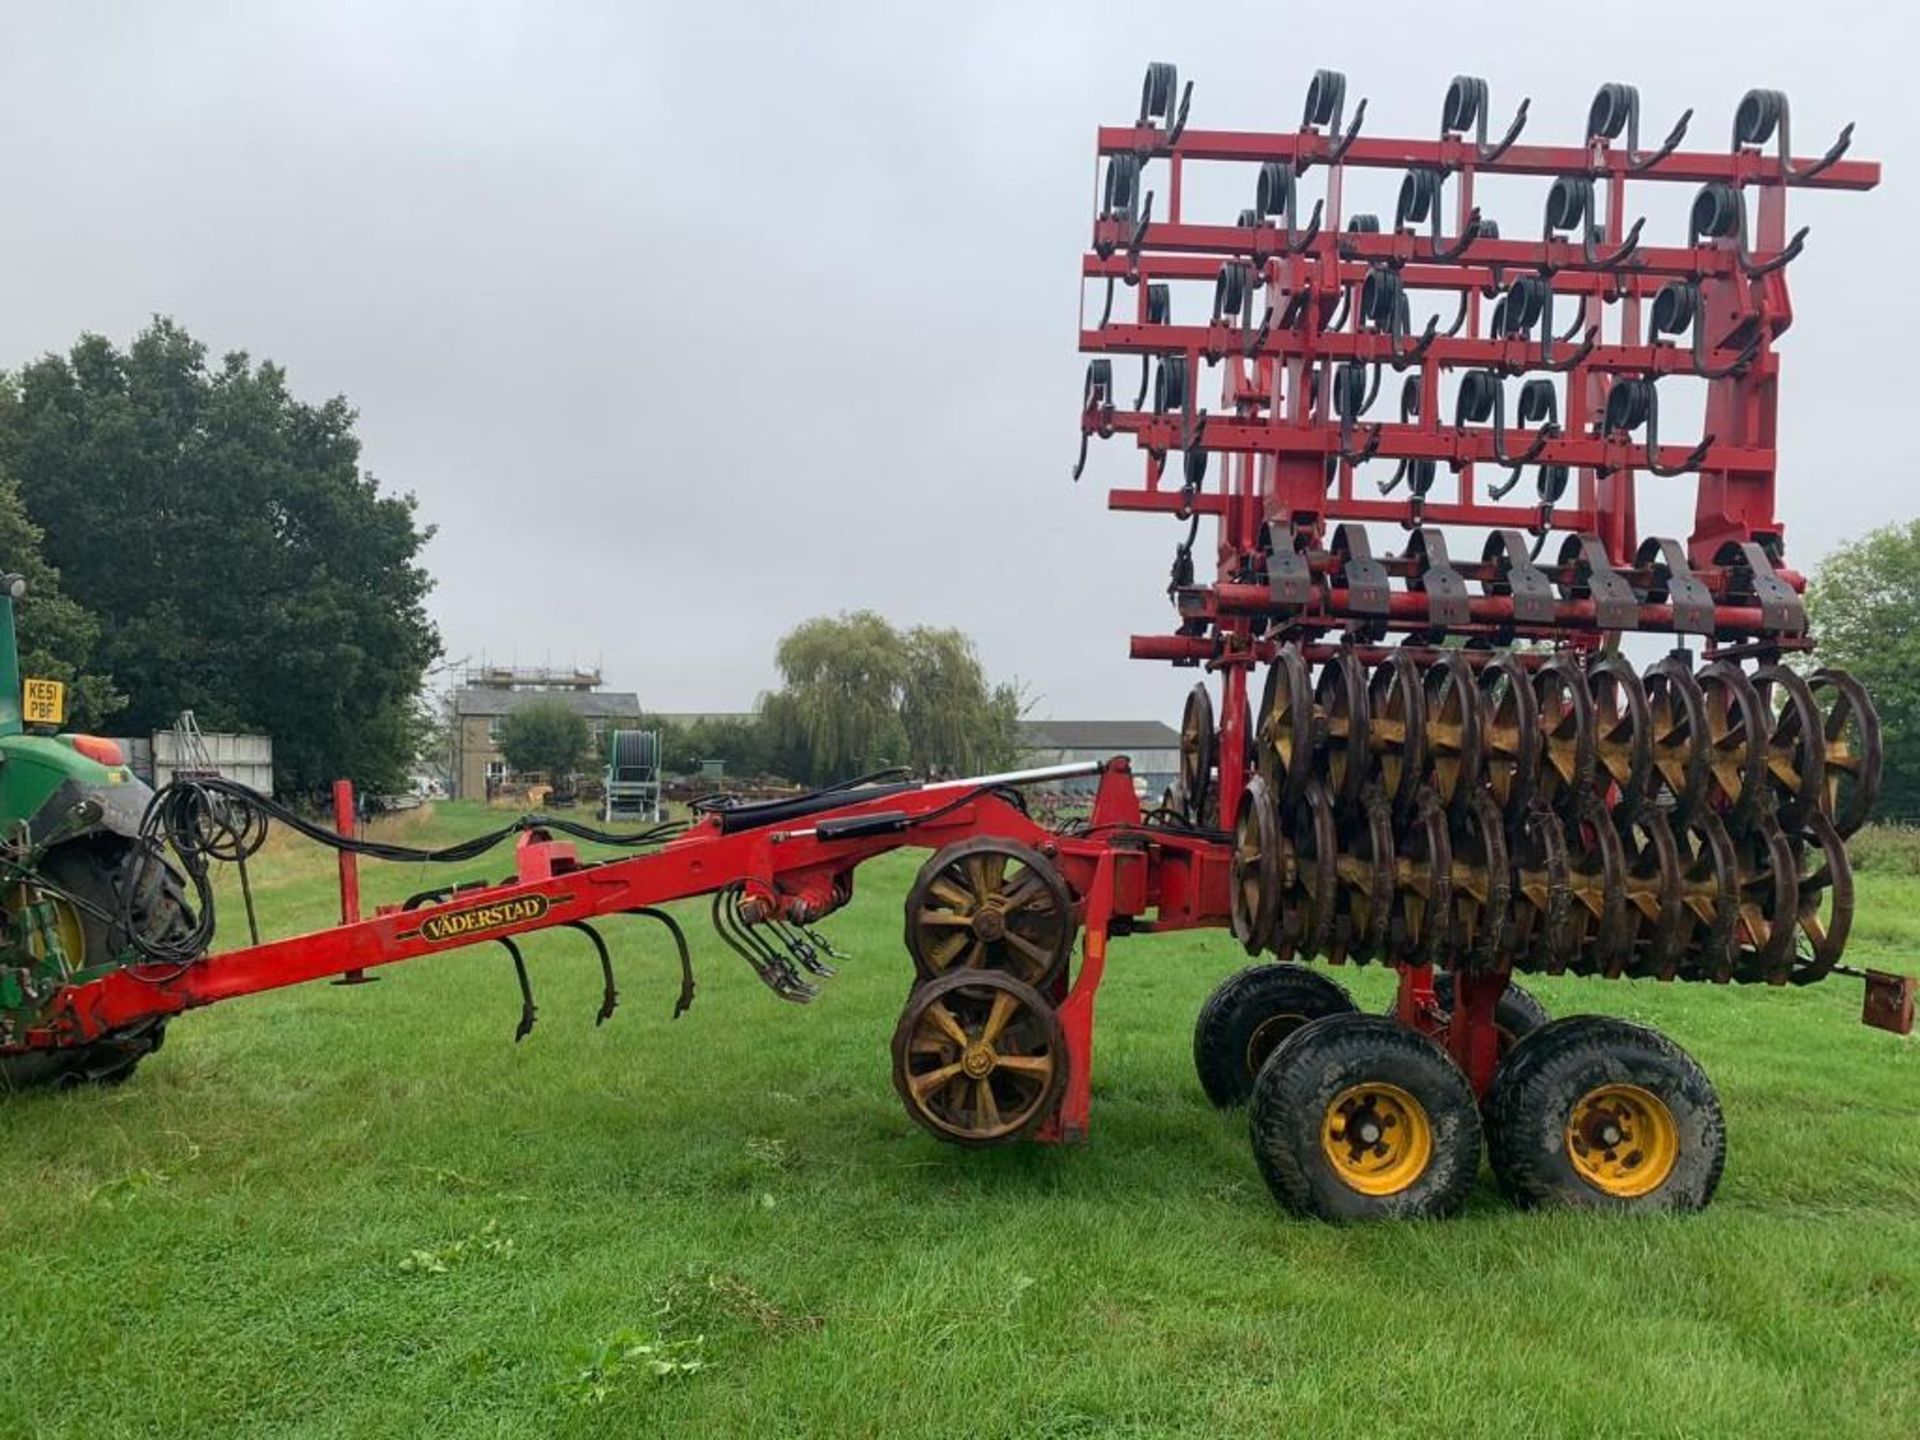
pixel 685 322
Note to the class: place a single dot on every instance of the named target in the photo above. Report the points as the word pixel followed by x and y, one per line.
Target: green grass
pixel 364 1212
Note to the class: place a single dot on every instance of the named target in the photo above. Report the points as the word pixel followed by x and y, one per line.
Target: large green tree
pixel 859 694
pixel 1864 603
pixel 546 737
pixel 240 561
pixel 58 636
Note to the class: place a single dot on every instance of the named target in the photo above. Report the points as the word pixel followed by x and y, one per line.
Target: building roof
pixel 1116 737
pixel 593 704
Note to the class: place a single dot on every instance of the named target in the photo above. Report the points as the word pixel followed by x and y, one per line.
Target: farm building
pixel 1152 746
pixel 491 694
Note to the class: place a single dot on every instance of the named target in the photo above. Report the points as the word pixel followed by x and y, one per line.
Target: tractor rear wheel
pixel 1248 1016
pixel 1357 1117
pixel 1596 1113
pixel 97 873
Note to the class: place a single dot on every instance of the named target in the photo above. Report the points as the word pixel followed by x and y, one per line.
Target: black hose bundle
pixel 204 819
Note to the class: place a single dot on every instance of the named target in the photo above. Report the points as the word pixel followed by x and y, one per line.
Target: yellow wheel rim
pixel 66 923
pixel 1377 1138
pixel 1623 1140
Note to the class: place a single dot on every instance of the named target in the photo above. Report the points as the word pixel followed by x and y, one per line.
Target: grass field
pixel 365 1212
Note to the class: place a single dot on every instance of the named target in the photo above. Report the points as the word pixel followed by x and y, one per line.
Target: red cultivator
pixel 1451 768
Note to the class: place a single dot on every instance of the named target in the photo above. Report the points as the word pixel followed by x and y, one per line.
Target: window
pixel 494 722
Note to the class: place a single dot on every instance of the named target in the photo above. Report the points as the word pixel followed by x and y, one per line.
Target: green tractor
pixel 76 881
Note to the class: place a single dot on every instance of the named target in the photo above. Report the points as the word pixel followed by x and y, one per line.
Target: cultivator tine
pixel 685 1002
pixel 609 995
pixel 802 949
pixel 775 970
pixel 825 946
pixel 528 1012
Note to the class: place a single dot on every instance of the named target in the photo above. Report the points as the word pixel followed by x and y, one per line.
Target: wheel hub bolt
pixel 989 924
pixel 978 1061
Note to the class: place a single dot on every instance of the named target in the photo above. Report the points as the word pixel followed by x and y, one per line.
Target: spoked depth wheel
pixel 1356 1117
pixel 978 1058
pixel 1596 1113
pixel 1247 1018
pixel 1197 753
pixel 990 904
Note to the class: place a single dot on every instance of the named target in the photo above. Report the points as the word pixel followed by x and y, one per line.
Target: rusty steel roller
pixel 1309 898
pixel 1796 744
pixel 1284 744
pixel 1682 755
pixel 1258 856
pixel 1737 737
pixel 1509 733
pixel 1453 729
pixel 1566 734
pixel 1417 929
pixel 1340 724
pixel 1850 728
pixel 1769 904
pixel 1622 734
pixel 1602 931
pixel 1709 897
pixel 1482 884
pixel 1397 727
pixel 1365 879
pixel 1655 897
pixel 1540 920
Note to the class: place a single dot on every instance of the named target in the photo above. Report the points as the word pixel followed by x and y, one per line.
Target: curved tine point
pixel 1179 125
pixel 1402 359
pixel 1296 246
pixel 1784 258
pixel 1621 255
pixel 1587 347
pixel 1500 491
pixel 1460 316
pixel 1392 482
pixel 1257 338
pixel 1467 236
pixel 1489 155
pixel 1733 366
pixel 1690 463
pixel 1353 132
pixel 1834 152
pixel 1635 165
pixel 1106 310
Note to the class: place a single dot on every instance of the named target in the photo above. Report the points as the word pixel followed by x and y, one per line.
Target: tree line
pixel 195 537
pixel 857 695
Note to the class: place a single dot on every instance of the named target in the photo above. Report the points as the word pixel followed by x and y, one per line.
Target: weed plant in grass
pixel 364 1212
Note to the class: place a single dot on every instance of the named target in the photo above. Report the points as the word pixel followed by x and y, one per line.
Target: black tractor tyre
pixel 1516 1015
pixel 1356 1117
pixel 96 871
pixel 1597 1113
pixel 1247 1017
